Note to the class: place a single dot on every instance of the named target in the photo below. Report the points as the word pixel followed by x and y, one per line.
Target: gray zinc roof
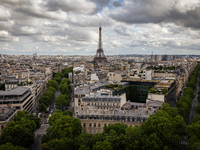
pixel 82 90
pixel 15 91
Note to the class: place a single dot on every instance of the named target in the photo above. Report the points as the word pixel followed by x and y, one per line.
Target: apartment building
pixel 169 96
pixel 9 84
pixel 103 100
pixel 6 115
pixel 79 93
pixel 93 120
pixel 20 97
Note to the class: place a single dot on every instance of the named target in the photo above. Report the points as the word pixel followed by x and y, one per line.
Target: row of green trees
pixel 162 68
pixel 193 130
pixel 194 127
pixel 62 100
pixel 48 96
pixel 185 103
pixel 193 77
pixel 58 77
pixel 193 133
pixel 161 131
pixel 66 71
pixel 197 108
pixel 19 134
pixel 65 86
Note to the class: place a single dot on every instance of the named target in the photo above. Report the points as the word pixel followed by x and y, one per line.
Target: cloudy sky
pixel 70 27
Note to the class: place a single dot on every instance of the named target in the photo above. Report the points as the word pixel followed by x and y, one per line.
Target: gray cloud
pixel 122 31
pixel 4 14
pixel 16 2
pixel 102 3
pixel 156 11
pixel 76 6
pixel 70 26
pixel 5 36
pixel 89 21
pixel 117 4
pixel 41 13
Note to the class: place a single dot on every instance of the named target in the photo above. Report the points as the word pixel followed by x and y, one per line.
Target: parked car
pixel 45 115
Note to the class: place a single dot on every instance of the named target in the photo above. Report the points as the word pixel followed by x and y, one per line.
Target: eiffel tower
pixel 100 57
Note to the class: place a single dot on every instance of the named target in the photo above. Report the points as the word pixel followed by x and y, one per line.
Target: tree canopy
pixel 62 127
pixel 20 132
pixel 25 114
pixel 160 131
pixel 52 83
pixel 67 71
pixel 9 146
pixel 62 101
pixel 42 108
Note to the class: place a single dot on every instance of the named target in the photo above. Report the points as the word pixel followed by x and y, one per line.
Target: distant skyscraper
pixel 158 57
pixel 145 58
pixel 152 57
pixel 174 57
pixel 100 57
pixel 164 57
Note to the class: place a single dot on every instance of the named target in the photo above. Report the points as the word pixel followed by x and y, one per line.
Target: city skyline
pixel 71 27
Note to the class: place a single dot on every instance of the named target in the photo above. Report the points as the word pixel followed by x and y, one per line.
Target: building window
pixel 99 130
pixel 90 125
pixel 94 131
pixel 2 127
pixel 90 131
pixel 94 124
pixel 18 107
pixel 99 125
pixel 84 124
pixel 79 100
pixel 105 125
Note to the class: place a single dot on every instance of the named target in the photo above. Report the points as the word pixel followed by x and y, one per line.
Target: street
pixel 38 135
pixel 194 102
pixel 44 126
